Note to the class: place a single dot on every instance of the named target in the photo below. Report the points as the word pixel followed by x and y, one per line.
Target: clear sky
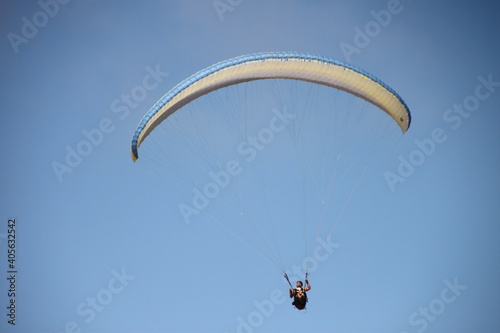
pixel 100 243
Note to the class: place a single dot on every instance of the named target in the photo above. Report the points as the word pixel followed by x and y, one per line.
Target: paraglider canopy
pixel 275 65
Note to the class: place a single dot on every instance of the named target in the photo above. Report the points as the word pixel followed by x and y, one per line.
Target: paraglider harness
pixel 298 302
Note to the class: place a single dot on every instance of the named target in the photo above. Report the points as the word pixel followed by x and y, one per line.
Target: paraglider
pixel 299 294
pixel 250 190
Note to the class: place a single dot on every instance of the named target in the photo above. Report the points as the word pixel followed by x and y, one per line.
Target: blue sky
pixel 101 246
